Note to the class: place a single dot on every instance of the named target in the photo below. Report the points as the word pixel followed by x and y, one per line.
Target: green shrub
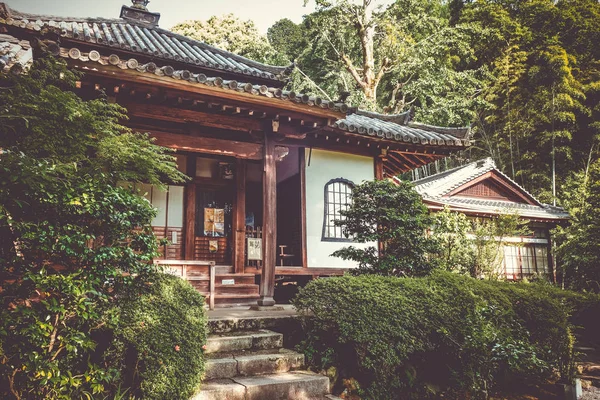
pixel 392 214
pixel 443 334
pixel 162 330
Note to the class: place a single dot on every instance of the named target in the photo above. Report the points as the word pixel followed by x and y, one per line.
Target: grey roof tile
pixel 398 127
pixel 146 39
pixel 435 188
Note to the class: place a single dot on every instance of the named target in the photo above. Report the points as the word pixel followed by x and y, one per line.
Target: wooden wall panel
pixel 489 190
pixel 202 250
pixel 173 251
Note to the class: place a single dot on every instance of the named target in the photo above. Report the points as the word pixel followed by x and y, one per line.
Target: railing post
pixel 211 300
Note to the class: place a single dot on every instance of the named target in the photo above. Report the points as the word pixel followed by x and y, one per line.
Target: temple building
pixel 270 168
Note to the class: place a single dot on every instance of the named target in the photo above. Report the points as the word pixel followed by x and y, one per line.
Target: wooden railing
pixel 181 268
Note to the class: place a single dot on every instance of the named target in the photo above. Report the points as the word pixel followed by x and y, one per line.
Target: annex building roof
pixel 480 188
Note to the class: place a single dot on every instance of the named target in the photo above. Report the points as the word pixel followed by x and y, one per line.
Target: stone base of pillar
pixel 266 301
pixel 266 308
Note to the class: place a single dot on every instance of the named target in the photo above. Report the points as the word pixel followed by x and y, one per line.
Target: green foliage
pixel 455 249
pixel 579 249
pixel 162 329
pixel 394 215
pixel 287 38
pixel 474 246
pixel 230 33
pixel 544 94
pixel 442 335
pixel 68 232
pixel 389 58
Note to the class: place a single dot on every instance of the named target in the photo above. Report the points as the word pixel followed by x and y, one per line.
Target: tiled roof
pixel 398 127
pixel 142 38
pixel 441 184
pixel 15 55
pixel 483 206
pixel 202 79
pixel 435 188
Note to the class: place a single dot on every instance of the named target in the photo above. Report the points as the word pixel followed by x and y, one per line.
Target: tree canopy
pixel 230 33
pixel 70 233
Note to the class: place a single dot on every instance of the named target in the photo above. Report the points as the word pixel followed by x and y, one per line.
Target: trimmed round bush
pixel 163 328
pixel 442 335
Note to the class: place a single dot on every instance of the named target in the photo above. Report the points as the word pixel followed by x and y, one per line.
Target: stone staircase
pixel 253 365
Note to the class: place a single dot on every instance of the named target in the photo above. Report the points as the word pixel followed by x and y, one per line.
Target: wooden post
pixel 267 286
pixel 190 210
pixel 379 168
pixel 379 176
pixel 239 218
pixel 212 270
pixel 302 151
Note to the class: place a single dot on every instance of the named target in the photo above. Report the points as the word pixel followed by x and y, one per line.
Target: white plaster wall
pixel 325 166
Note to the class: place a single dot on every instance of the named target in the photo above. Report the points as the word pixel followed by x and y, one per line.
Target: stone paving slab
pixel 253 363
pixel 261 339
pixel 300 385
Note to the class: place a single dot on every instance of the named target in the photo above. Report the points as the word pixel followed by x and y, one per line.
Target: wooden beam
pixel 302 271
pixel 397 160
pixel 190 210
pixel 303 234
pixel 267 286
pixel 395 165
pixel 231 148
pixel 165 113
pixel 239 217
pixel 379 174
pixel 408 160
pixel 170 83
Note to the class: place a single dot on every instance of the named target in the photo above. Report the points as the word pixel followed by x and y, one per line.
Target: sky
pixel 263 12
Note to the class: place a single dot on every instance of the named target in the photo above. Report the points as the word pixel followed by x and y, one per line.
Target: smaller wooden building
pixel 479 189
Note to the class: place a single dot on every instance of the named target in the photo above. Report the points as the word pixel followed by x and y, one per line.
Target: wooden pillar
pixel 190 210
pixel 239 217
pixel 379 175
pixel 302 151
pixel 267 286
pixel 379 168
pixel 550 258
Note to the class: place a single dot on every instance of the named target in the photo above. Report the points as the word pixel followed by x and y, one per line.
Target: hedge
pixel 163 328
pixel 440 335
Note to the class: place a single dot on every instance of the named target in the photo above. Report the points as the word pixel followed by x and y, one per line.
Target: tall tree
pixel 408 48
pixel 287 38
pixel 230 33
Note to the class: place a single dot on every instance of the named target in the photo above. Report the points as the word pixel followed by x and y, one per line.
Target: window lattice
pixel 338 193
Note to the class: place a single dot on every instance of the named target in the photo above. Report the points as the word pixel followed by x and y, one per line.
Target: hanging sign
pixel 214 222
pixel 255 249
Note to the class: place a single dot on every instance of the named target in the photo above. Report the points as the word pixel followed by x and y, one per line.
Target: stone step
pixel 238 278
pixel 253 363
pixel 238 288
pixel 248 340
pixel 298 385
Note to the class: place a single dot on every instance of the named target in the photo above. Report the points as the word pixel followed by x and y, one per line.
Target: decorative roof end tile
pixel 139 13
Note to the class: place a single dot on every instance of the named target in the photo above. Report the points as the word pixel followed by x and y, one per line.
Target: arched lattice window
pixel 338 194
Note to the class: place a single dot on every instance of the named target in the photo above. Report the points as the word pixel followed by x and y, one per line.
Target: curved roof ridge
pixel 460 133
pixel 401 119
pixel 279 73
